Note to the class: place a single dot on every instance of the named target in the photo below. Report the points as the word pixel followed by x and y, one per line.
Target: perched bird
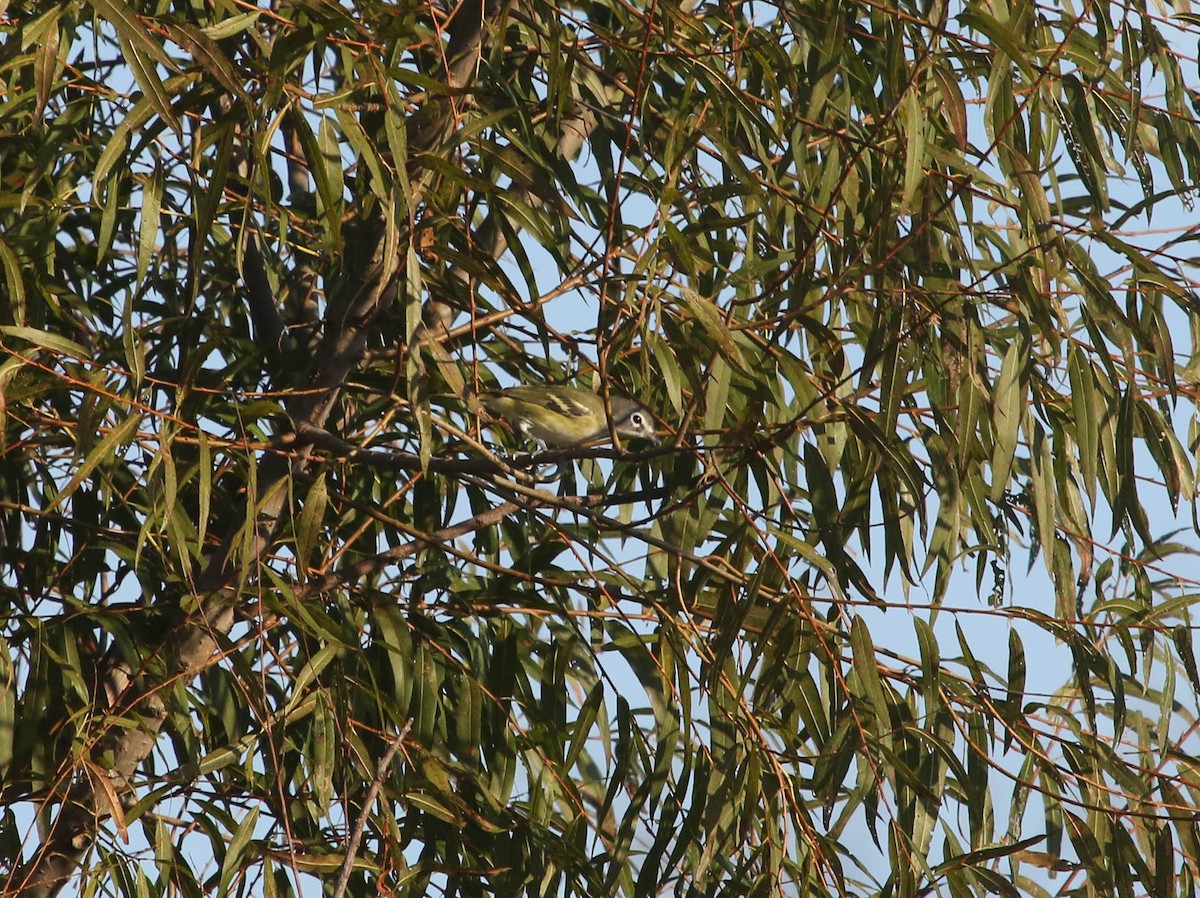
pixel 560 417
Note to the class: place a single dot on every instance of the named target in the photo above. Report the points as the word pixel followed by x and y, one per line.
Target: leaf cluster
pixel 884 273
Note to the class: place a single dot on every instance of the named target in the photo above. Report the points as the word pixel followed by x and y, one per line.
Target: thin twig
pixel 339 890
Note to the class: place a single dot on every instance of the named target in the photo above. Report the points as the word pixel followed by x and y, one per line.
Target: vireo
pixel 565 416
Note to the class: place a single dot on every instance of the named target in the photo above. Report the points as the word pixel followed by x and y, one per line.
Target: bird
pixel 560 417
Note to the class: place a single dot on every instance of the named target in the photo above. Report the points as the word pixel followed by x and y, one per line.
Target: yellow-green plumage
pixel 565 416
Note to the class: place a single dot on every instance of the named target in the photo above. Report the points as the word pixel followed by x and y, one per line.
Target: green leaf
pixel 866 672
pixel 55 343
pixel 103 453
pixel 312 520
pixel 1079 133
pixel 236 849
pixel 326 171
pixel 203 48
pixel 913 119
pixel 141 64
pixel 715 326
pixel 231 26
pixel 1008 407
pixel 152 194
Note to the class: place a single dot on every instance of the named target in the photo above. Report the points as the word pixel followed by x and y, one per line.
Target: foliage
pixel 875 267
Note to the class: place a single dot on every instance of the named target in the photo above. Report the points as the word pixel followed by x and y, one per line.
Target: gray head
pixel 631 420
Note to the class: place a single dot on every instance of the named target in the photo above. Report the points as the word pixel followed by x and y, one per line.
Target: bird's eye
pixel 636 419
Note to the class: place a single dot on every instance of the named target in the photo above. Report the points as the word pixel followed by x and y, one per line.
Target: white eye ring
pixel 636 418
